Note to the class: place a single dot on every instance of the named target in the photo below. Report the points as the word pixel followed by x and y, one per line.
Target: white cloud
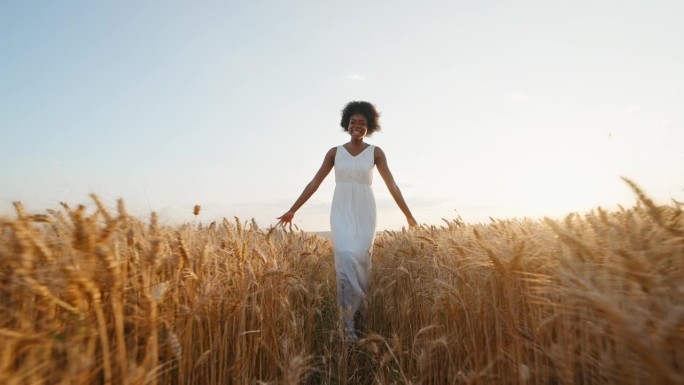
pixel 519 97
pixel 635 108
pixel 356 77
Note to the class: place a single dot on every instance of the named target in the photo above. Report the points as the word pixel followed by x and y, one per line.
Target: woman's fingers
pixel 285 219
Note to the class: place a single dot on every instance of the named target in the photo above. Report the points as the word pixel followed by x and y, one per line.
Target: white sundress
pixel 352 221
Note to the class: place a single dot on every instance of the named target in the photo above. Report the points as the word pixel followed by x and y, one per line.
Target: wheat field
pixel 90 295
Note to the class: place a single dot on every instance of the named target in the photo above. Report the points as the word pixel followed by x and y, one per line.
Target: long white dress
pixel 353 220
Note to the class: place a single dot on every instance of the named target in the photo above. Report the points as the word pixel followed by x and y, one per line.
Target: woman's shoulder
pixel 332 152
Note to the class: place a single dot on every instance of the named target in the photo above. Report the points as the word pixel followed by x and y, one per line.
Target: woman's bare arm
pixel 383 169
pixel 323 171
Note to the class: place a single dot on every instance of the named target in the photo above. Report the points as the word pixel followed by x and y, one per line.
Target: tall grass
pixel 92 295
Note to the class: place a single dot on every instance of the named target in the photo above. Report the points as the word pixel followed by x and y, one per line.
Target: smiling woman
pixel 353 212
pixel 360 115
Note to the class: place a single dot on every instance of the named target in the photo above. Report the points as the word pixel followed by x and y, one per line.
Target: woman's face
pixel 358 126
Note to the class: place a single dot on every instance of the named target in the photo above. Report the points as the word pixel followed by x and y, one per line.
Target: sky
pixel 502 109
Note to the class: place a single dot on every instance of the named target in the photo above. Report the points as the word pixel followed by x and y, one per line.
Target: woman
pixel 352 216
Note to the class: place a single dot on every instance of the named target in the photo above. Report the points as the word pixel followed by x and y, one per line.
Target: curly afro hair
pixel 366 109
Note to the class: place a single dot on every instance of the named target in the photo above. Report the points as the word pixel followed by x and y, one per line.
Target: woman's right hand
pixel 285 219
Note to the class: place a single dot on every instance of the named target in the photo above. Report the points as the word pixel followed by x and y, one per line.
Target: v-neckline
pixel 354 156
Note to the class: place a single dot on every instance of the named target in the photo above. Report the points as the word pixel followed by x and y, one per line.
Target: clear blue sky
pixel 489 108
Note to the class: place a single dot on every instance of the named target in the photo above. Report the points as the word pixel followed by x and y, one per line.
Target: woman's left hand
pixel 412 222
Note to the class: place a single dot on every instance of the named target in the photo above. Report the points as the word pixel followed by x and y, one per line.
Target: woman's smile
pixel 358 126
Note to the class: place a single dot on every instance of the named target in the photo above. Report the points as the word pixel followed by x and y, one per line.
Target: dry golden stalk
pixel 108 231
pixel 121 208
pixel 101 208
pixel 654 211
pixel 154 224
pixel 185 256
pixel 19 208
pixel 39 218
